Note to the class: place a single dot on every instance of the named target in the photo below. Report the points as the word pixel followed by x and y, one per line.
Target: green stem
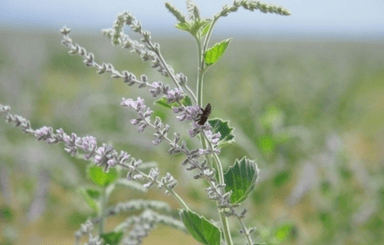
pixel 208 36
pixel 223 217
pixel 175 195
pixel 246 231
pixel 204 140
pixel 103 203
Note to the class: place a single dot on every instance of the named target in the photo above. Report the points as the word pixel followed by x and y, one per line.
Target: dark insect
pixel 205 114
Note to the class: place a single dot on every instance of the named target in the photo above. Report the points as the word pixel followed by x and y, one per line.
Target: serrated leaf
pixel 241 179
pixel 186 101
pixel 200 228
pixel 213 54
pixel 101 178
pixel 92 202
pixel 112 238
pixel 183 26
pixel 218 125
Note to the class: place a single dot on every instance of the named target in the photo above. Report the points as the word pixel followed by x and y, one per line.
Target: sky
pixel 347 19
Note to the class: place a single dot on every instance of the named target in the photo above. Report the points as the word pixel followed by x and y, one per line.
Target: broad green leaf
pixel 241 179
pixel 101 178
pixel 112 238
pixel 163 102
pixel 200 228
pixel 218 125
pixel 91 201
pixel 183 26
pixel 213 54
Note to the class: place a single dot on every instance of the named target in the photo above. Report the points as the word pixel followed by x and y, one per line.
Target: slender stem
pixel 204 140
pixel 209 33
pixel 103 204
pixel 245 230
pixel 223 217
pixel 179 199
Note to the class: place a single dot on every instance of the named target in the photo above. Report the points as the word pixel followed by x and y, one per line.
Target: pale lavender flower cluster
pixel 86 229
pixel 143 224
pixel 149 51
pixel 133 174
pixel 189 113
pixel 156 88
pixel 104 155
pixel 159 88
pixel 175 95
pixel 197 128
pixel 141 109
pixel 161 131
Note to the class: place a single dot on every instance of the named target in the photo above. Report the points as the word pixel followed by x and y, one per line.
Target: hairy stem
pixel 204 140
pixel 103 204
pixel 223 218
pixel 246 231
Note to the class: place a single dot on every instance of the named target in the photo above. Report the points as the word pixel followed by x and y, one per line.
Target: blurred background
pixel 304 93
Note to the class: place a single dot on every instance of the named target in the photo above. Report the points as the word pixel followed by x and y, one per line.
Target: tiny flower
pixel 197 128
pixel 89 145
pixel 105 156
pixel 43 133
pixel 174 95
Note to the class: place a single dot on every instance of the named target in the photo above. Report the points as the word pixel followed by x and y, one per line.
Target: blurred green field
pixel 310 112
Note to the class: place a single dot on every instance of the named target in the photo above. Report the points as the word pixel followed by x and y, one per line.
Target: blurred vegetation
pixel 310 112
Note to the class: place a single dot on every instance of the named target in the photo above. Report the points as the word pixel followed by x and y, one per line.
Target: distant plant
pixel 228 189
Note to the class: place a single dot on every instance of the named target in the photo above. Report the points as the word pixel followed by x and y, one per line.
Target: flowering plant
pixel 227 188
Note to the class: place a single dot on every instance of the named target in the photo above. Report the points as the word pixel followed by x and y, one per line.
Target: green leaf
pixel 93 193
pixel 89 199
pixel 213 54
pixel 241 179
pixel 101 178
pixel 218 125
pixel 198 25
pixel 283 232
pixel 163 102
pixel 112 238
pixel 183 26
pixel 281 178
pixel 267 144
pixel 204 29
pixel 200 228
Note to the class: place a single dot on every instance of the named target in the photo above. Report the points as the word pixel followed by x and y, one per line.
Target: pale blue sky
pixel 337 18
